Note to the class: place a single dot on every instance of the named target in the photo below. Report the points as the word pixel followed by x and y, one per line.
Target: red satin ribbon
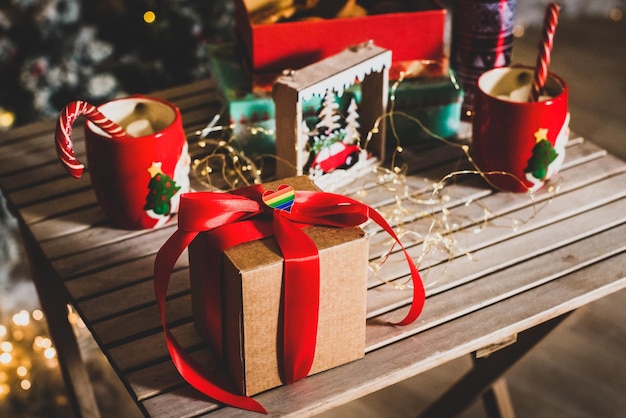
pixel 234 218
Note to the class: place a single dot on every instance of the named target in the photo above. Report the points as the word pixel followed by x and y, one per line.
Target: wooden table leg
pixel 497 400
pixel 484 376
pixel 54 304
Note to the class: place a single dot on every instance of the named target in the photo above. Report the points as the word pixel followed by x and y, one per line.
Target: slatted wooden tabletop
pixel 494 264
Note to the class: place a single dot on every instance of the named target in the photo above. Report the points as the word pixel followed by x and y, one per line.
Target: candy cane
pixel 545 49
pixel 63 141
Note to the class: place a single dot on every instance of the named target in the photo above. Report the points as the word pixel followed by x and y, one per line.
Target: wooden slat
pixel 59 206
pixel 124 250
pixel 115 277
pixel 34 129
pixel 147 350
pixel 141 322
pixel 73 219
pixel 21 179
pixel 130 298
pixel 163 377
pixel 44 192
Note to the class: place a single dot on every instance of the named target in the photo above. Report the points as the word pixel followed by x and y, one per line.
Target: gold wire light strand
pixel 440 235
pixel 226 166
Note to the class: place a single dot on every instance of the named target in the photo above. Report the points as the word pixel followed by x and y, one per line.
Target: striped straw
pixel 545 49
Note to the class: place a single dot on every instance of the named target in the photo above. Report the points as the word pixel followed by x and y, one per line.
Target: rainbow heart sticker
pixel 281 199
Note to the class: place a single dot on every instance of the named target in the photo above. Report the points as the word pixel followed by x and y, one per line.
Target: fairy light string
pixel 441 232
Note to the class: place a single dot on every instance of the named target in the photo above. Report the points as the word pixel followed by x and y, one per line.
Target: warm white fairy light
pixel 74 318
pixel 37 342
pixel 25 384
pixel 37 315
pixel 50 353
pixel 22 318
pixel 149 16
pixel 42 342
pixel 18 334
pixel 61 400
pixel 616 14
pixel 7 119
pixel 22 371
pixel 6 358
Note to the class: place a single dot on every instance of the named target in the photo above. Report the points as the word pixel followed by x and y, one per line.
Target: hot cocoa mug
pixel 518 144
pixel 138 178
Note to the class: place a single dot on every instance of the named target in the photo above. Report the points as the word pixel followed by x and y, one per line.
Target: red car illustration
pixel 336 155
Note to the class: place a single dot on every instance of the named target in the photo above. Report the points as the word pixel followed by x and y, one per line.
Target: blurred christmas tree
pixel 55 51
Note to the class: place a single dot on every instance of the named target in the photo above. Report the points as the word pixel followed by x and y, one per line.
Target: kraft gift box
pixel 252 275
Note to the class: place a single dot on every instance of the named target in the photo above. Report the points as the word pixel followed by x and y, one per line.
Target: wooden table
pixel 515 268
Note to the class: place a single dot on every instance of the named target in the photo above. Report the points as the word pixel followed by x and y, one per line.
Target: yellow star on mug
pixel 155 169
pixel 541 134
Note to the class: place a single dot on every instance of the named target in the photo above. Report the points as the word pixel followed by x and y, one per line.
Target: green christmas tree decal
pixel 162 188
pixel 542 155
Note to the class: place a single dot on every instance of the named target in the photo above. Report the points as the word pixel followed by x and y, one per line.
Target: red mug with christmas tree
pixel 137 157
pixel 519 144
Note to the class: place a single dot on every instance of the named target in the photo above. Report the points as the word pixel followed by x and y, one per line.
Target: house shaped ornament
pixel 345 135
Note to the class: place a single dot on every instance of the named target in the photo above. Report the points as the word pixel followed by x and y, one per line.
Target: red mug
pixel 138 179
pixel 519 145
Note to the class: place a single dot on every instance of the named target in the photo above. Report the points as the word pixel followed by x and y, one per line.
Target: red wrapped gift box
pixel 274 47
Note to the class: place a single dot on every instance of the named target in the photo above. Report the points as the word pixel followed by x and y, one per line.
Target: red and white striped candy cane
pixel 63 133
pixel 545 50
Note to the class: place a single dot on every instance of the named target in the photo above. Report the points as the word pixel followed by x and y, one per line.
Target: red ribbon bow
pixel 241 216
